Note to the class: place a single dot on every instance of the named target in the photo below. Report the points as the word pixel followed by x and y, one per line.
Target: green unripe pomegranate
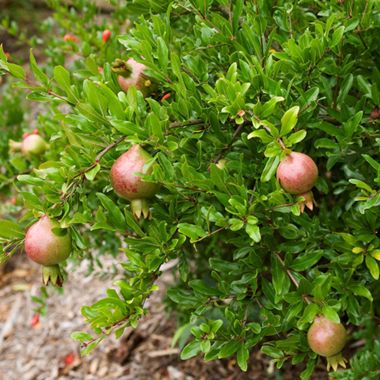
pixel 33 145
pixel 43 246
pixel 297 173
pixel 326 338
pixel 130 186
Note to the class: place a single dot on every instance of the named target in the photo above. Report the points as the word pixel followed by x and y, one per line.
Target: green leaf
pixel 62 77
pixel 131 222
pixel 254 232
pixel 330 314
pixel 337 36
pixel 81 336
pixel 116 216
pixel 308 371
pixel 15 70
pixel 372 162
pixel 37 72
pixel 361 185
pixel 306 260
pixel 262 135
pixel 325 143
pixel 345 88
pixel 242 358
pixel 10 230
pixel 311 310
pixel 289 120
pixel 91 174
pixel 296 137
pixel 362 291
pixel 229 349
pixel 200 287
pixel 273 352
pixel 270 168
pixel 162 53
pixel 268 108
pixel 278 276
pixel 351 125
pixel 88 349
pixel 192 231
pixel 190 350
pixel 372 266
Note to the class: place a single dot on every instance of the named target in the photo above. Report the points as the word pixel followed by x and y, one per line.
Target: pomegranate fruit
pixel 131 73
pixel 297 173
pixel 33 145
pixel 106 35
pixel 43 246
pixel 46 248
pixel 130 186
pixel 325 337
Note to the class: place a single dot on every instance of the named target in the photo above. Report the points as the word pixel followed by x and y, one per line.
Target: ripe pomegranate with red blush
pixel 130 186
pixel 297 173
pixel 43 246
pixel 48 249
pixel 131 73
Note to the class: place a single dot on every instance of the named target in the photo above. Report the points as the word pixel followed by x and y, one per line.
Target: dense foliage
pixel 234 87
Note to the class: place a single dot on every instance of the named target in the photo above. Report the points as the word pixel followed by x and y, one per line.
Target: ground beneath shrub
pixel 31 350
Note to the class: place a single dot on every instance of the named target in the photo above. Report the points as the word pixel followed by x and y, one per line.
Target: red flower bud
pixel 35 320
pixel 106 35
pixel 70 38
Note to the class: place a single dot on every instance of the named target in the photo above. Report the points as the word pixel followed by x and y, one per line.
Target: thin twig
pixel 292 278
pixel 210 234
pixel 234 136
pixel 179 124
pixel 83 172
pixel 108 148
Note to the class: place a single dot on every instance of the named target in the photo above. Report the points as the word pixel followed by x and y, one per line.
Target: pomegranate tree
pixel 128 184
pixel 297 173
pixel 47 248
pixel 327 339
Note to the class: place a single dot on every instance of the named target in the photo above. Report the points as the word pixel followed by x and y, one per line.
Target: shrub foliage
pixel 237 86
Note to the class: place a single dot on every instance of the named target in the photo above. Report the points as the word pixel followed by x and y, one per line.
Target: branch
pixel 83 172
pixel 234 136
pixel 209 234
pixel 292 278
pixel 179 124
pixel 108 148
